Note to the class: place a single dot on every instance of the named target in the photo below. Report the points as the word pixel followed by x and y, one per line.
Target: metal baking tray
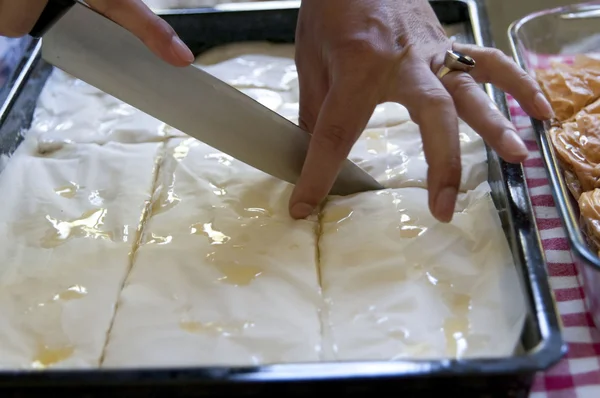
pixel 574 30
pixel 541 341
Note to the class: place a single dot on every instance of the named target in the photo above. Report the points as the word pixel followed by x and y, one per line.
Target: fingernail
pixel 543 106
pixel 513 144
pixel 301 210
pixel 181 51
pixel 444 204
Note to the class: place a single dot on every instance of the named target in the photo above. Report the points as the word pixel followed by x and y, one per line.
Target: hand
pixel 352 55
pixel 17 17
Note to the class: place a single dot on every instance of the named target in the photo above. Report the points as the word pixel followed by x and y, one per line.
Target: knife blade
pixel 98 51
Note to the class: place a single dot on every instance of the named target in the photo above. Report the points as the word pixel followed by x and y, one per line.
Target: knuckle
pixel 454 165
pixel 366 49
pixel 306 120
pixel 410 51
pixel 446 170
pixel 453 170
pixel 518 77
pixel 494 125
pixel 334 139
pixel 498 56
pixel 524 80
pixel 491 61
pixel 421 105
pixel 435 98
pixel 499 121
pixel 462 83
pixel 450 168
pixel 459 79
pixel 156 27
pixel 308 112
pixel 303 124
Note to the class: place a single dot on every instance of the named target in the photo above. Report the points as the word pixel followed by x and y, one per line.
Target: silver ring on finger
pixel 455 61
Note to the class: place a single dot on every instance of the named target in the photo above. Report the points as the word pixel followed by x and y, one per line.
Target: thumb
pixel 345 113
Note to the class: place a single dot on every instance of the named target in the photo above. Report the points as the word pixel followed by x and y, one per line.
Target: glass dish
pixel 536 40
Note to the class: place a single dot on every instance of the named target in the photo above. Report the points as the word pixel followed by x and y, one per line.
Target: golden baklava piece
pixel 570 88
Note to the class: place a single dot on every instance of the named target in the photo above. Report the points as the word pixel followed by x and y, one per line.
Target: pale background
pixel 503 12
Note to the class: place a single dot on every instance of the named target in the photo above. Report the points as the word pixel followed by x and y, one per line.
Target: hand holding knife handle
pixel 53 11
pixel 133 15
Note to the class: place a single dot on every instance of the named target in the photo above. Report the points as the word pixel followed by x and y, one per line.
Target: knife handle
pixel 52 12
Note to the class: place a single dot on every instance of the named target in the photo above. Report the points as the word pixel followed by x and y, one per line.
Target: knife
pixel 98 51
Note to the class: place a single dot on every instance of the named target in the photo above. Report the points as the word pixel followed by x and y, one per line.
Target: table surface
pixel 578 374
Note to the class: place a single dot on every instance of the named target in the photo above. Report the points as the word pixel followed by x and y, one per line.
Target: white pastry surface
pixel 125 243
pixel 224 276
pixel 398 284
pixel 67 228
pixel 71 111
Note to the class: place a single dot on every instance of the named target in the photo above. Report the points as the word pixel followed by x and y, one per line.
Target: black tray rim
pixel 551 349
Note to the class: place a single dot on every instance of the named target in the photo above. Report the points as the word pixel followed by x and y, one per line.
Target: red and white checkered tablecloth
pixel 578 375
